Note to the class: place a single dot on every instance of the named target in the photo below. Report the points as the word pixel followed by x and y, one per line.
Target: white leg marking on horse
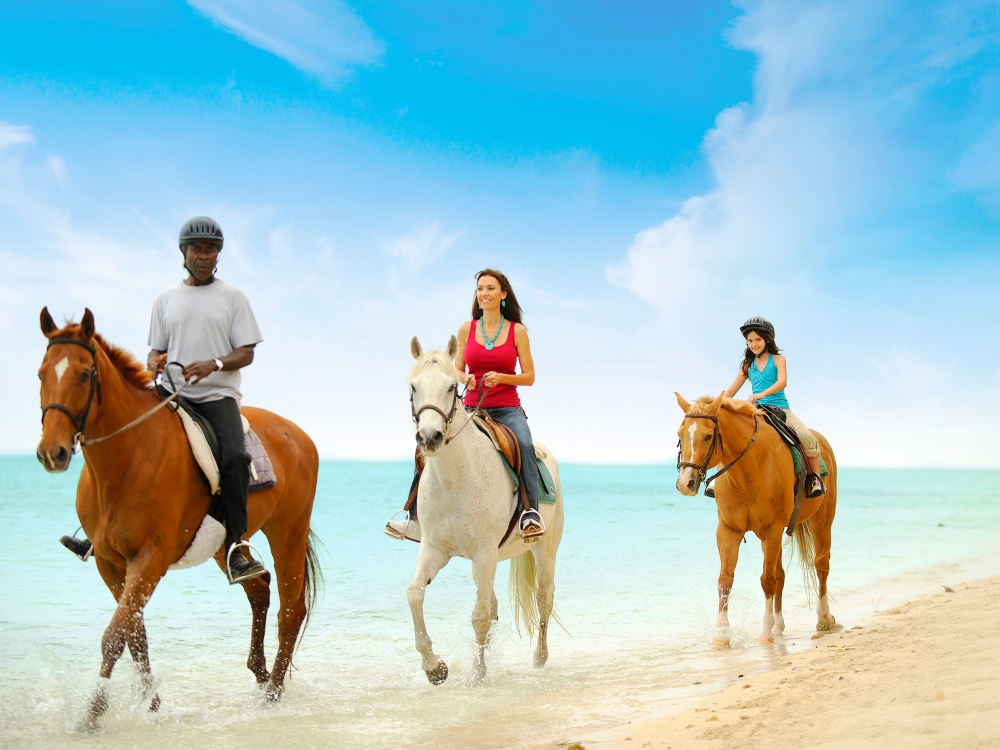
pixel 766 635
pixel 61 366
pixel 824 606
pixel 779 624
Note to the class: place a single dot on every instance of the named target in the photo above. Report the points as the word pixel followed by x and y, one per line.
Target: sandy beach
pixel 922 675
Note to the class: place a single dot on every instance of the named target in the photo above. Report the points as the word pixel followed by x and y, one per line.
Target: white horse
pixel 466 500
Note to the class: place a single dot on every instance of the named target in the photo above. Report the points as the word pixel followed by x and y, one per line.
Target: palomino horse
pixel 141 497
pixel 466 499
pixel 756 494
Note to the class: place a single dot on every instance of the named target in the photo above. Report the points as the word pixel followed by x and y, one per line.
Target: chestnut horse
pixel 756 494
pixel 141 497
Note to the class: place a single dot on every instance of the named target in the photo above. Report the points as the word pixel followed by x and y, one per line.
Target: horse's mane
pixel 435 356
pixel 124 361
pixel 740 407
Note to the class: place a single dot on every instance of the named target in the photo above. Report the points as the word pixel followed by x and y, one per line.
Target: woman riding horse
pixel 491 346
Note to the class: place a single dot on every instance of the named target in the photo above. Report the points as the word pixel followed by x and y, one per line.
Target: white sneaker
pixel 408 528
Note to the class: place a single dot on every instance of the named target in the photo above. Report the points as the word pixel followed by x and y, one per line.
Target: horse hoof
pixel 540 661
pixel 720 643
pixel 272 693
pixel 827 623
pixel 154 705
pixel 439 674
pixel 763 641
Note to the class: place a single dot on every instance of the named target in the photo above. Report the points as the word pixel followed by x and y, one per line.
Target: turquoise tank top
pixel 761 381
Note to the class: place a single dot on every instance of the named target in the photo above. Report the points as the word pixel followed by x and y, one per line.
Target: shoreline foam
pixel 917 675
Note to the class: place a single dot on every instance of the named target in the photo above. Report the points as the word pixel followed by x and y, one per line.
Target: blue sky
pixel 648 174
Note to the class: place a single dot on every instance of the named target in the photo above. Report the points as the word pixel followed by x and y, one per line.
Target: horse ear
pixel 87 324
pixel 717 403
pixel 685 406
pixel 48 325
pixel 415 349
pixel 452 347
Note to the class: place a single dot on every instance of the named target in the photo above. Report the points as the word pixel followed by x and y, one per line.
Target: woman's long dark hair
pixel 749 356
pixel 511 311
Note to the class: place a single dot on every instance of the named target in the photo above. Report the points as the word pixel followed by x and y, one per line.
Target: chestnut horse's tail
pixel 313 578
pixel 805 546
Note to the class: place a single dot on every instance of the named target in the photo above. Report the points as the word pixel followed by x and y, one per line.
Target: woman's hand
pixel 491 379
pixel 469 380
pixel 753 398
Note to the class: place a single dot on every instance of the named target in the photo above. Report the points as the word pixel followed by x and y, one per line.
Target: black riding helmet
pixel 200 229
pixel 759 324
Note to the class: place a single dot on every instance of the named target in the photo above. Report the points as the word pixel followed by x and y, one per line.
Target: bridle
pixel 702 468
pixel 79 420
pixel 450 416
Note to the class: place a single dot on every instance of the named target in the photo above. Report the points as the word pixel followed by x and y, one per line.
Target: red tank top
pixel 502 359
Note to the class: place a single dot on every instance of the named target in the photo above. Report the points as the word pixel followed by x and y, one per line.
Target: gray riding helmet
pixel 757 323
pixel 200 229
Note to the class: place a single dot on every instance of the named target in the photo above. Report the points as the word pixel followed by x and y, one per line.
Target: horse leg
pixel 484 572
pixel 126 627
pixel 429 562
pixel 258 591
pixel 768 581
pixel 545 566
pixel 779 588
pixel 289 554
pixel 822 540
pixel 728 541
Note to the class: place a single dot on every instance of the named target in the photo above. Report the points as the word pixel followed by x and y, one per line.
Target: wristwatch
pixel 218 364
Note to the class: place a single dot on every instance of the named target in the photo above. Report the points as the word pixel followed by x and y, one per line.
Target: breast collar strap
pixel 79 420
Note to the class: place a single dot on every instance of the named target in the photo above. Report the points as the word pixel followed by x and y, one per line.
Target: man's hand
pixel 199 370
pixel 156 364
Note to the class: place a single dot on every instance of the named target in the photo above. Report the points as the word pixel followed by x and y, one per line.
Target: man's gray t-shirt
pixel 195 323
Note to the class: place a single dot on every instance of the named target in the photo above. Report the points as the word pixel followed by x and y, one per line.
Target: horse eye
pixel 84 377
pixel 707 437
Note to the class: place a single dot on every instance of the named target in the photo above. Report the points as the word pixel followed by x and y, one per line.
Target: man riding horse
pixel 207 324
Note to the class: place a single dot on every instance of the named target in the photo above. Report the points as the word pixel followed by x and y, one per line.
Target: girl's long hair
pixel 511 311
pixel 749 356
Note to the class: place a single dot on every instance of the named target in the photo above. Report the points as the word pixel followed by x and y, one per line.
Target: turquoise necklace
pixel 482 330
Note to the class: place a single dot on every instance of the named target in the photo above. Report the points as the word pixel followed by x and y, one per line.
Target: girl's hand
pixel 491 379
pixel 754 397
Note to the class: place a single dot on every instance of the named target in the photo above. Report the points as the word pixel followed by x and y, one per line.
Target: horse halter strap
pixel 716 441
pixel 79 420
pixel 450 415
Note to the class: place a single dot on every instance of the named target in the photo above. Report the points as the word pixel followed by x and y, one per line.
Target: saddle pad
pixel 546 487
pixel 797 459
pixel 261 469
pixel 207 540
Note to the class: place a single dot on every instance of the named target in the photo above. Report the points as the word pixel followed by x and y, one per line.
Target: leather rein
pixel 702 468
pixel 450 416
pixel 80 420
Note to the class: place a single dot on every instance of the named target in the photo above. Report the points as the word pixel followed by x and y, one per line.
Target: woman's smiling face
pixel 756 343
pixel 488 292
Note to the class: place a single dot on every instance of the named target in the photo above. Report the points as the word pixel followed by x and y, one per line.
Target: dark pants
pixel 514 418
pixel 234 463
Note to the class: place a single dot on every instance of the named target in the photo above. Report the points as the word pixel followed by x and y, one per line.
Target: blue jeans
pixel 514 418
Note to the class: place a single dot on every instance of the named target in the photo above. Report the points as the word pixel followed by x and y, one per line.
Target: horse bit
pixel 716 442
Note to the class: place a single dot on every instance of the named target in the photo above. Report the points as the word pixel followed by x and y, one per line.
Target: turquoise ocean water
pixel 635 589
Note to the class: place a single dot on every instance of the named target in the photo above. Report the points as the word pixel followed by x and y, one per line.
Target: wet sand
pixel 922 675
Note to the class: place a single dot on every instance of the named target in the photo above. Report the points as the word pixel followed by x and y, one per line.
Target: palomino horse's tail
pixel 523 587
pixel 805 546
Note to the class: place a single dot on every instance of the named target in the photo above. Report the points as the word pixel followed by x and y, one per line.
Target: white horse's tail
pixel 804 544
pixel 523 588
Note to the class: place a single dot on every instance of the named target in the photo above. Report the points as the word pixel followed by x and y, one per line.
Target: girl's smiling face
pixel 756 343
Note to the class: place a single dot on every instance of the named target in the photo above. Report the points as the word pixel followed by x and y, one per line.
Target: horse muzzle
pixel 430 441
pixel 55 459
pixel 688 482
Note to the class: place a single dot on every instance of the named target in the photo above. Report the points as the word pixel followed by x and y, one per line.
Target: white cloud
pixel 421 246
pixel 322 37
pixel 58 168
pixel 12 135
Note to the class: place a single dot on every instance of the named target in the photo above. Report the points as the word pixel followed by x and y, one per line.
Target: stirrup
pixel 822 485
pixel 70 542
pixel 394 532
pixel 229 572
pixel 539 527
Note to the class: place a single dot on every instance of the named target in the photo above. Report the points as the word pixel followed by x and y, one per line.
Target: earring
pixel 503 303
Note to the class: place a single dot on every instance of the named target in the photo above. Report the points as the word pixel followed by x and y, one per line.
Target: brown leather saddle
pixel 505 442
